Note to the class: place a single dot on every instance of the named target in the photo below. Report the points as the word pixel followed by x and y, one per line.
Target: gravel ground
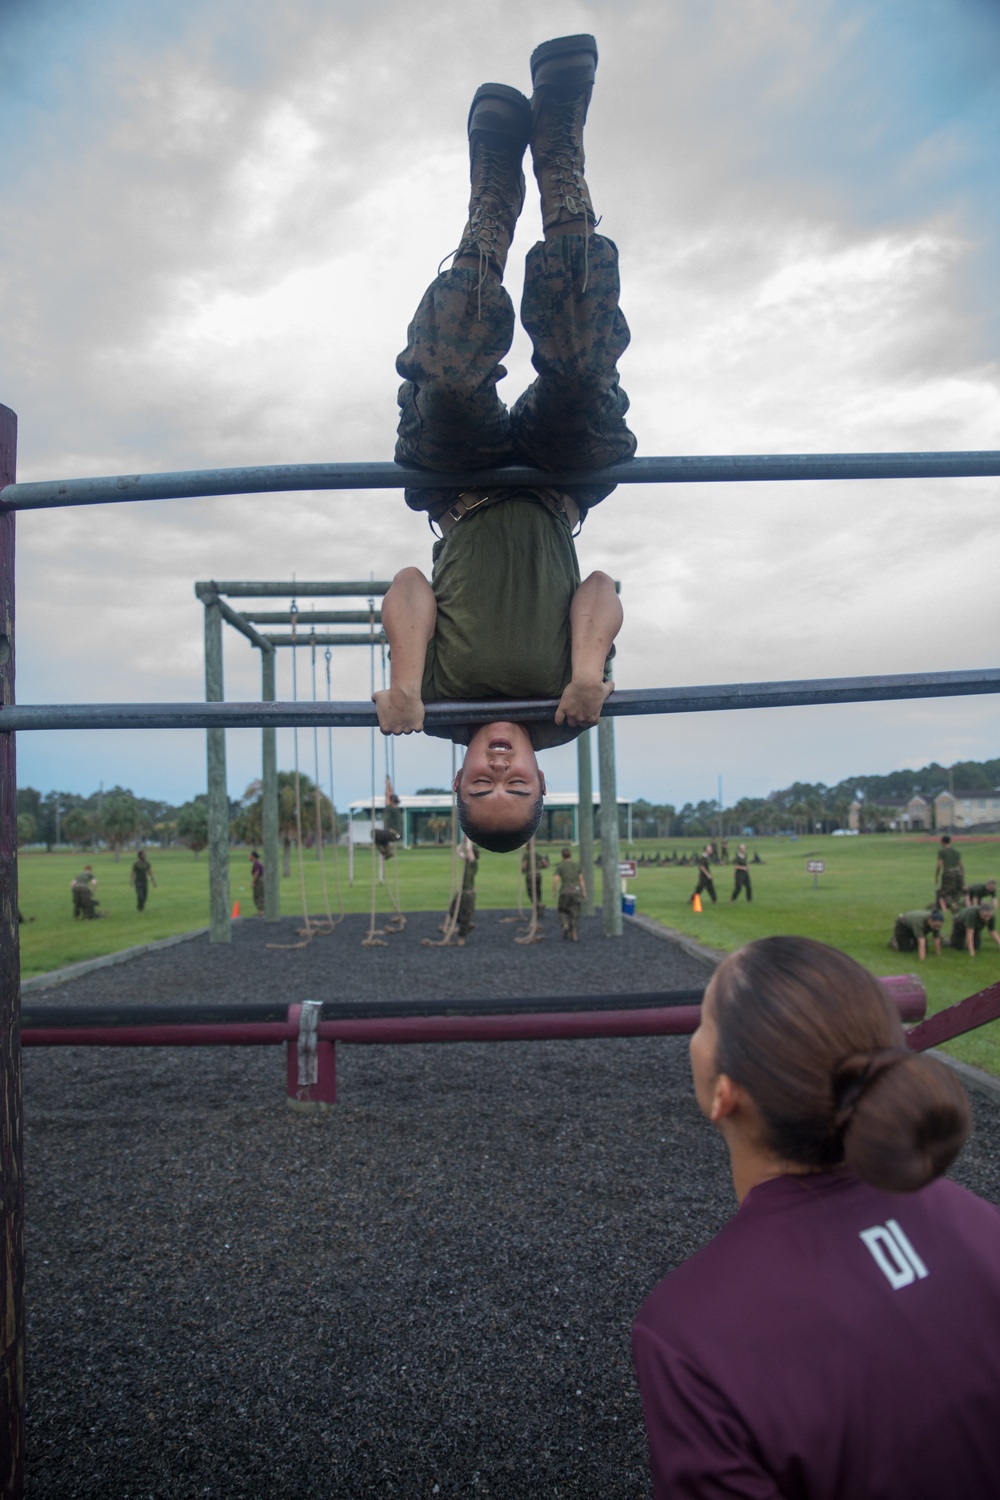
pixel 426 1292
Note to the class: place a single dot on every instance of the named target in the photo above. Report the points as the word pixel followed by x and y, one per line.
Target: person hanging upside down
pixel 506 613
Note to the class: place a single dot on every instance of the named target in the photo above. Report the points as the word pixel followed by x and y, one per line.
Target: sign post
pixel 815 868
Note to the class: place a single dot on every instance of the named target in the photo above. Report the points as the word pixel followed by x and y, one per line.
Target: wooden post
pixel 269 796
pixel 220 926
pixel 11 1162
pixel 585 819
pixel 610 852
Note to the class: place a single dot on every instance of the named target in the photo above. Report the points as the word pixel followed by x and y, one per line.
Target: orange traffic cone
pixel 695 904
pixel 236 909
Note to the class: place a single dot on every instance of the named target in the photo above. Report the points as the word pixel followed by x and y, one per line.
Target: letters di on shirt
pixel 894 1255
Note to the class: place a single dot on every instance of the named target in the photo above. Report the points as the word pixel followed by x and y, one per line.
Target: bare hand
pixel 581 703
pixel 399 712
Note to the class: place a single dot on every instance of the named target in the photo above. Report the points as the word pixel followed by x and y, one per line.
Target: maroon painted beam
pixel 967 1015
pixel 11 1164
pixel 554 1025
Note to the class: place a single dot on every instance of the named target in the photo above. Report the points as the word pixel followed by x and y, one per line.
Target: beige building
pixel 913 815
pixel 966 809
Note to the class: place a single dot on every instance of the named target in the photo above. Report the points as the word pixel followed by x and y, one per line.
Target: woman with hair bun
pixel 840 1338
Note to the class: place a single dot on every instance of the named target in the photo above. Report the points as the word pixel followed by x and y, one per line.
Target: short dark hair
pixel 567 854
pixel 946 838
pixel 499 840
pixel 819 1047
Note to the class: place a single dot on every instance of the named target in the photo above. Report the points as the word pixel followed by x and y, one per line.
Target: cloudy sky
pixel 218 217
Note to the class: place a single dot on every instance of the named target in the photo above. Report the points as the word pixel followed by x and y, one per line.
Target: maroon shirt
pixel 832 1343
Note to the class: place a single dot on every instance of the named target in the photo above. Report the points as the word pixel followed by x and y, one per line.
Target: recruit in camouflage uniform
pixel 85 903
pixel 140 879
pixel 465 901
pixel 569 884
pixel 951 875
pixel 505 614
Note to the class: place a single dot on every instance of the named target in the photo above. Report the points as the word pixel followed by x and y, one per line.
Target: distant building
pixel 967 809
pixel 423 818
pixel 913 815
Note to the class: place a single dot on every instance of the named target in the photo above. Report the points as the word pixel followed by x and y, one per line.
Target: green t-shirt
pixel 504 579
pixel 568 871
pixel 981 893
pixel 970 917
pixel 141 870
pixel 949 856
pixel 919 924
pixel 87 878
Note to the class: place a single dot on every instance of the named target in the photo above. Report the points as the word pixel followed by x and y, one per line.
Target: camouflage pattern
pixel 570 906
pixel 572 416
pixel 466 911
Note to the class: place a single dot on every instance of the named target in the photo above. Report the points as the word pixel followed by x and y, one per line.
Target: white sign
pixel 815 866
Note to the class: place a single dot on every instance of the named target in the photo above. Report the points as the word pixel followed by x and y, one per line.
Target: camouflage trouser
pixel 571 417
pixel 570 904
pixel 466 911
pixel 257 887
pixel 141 894
pixel 85 903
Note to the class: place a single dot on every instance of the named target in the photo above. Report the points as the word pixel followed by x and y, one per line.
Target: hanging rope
pixel 533 935
pixel 374 937
pixel 450 922
pixel 307 931
pixel 331 923
pixel 397 921
pixel 333 801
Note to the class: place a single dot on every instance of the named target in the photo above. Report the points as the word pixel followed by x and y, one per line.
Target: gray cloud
pixel 221 220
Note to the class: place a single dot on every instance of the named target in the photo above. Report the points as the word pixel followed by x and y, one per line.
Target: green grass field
pixel 866 883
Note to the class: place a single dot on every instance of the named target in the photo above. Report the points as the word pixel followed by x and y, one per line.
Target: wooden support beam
pixel 11 1151
pixel 220 927
pixel 269 796
pixel 585 819
pixel 610 850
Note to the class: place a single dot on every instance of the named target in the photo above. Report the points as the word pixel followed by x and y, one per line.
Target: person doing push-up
pixel 506 614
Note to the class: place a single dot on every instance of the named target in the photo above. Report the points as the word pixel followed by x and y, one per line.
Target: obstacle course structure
pixel 218 716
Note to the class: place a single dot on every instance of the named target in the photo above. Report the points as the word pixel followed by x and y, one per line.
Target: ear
pixel 541 782
pixel 727 1097
pixel 454 785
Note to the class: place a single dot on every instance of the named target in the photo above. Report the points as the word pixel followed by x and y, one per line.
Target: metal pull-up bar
pixel 714 469
pixel 624 703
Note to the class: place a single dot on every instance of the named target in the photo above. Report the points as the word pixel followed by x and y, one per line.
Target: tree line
pixel 117 818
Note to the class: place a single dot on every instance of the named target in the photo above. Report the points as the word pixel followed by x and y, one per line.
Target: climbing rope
pixel 397 921
pixel 307 931
pixel 450 922
pixel 533 935
pixel 374 937
pixel 331 922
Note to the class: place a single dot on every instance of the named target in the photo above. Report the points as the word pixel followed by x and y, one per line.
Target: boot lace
pixel 492 215
pixel 562 159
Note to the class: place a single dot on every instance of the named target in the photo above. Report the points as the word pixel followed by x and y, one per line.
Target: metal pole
pixel 220 927
pixel 585 819
pixel 11 1161
pixel 610 852
pixel 269 796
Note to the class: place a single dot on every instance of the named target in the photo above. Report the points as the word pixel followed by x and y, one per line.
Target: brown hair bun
pixel 818 1045
pixel 908 1122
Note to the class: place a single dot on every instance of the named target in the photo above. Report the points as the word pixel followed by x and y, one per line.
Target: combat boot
pixel 499 128
pixel 562 78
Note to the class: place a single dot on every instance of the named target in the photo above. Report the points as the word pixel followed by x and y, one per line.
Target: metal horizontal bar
pixel 316 589
pixel 202 1012
pixel 625 703
pixel 306 619
pixel 678 1020
pixel 712 469
pixel 306 638
pixel 510 1024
